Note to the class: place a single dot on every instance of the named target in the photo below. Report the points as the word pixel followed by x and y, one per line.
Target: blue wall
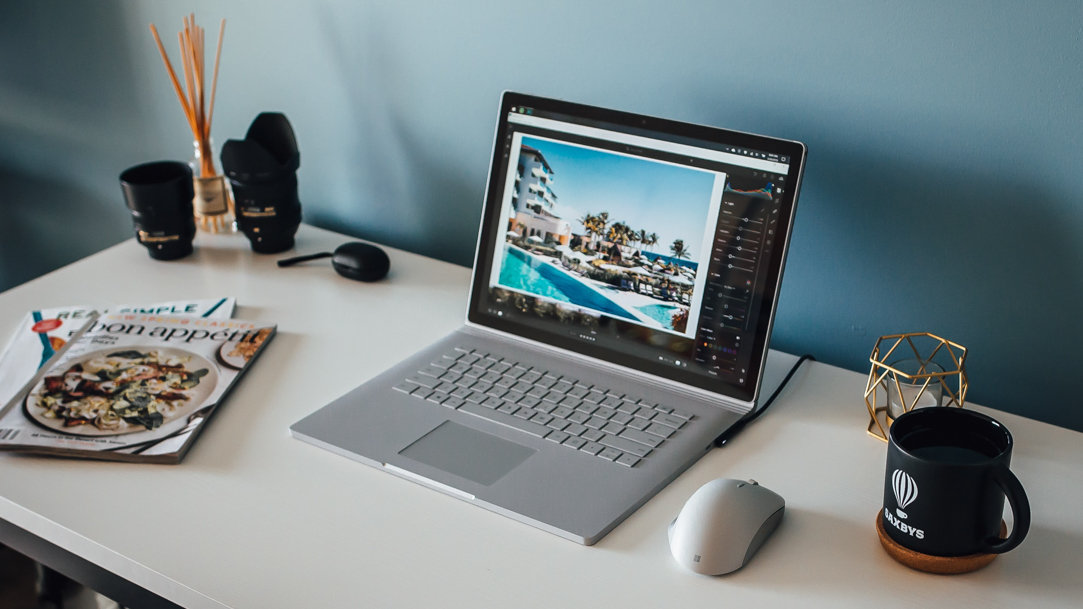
pixel 943 190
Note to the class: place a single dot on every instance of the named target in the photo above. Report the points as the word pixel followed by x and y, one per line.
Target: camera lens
pixel 268 213
pixel 262 169
pixel 159 197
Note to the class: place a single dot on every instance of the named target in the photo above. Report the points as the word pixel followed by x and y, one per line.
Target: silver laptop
pixel 624 287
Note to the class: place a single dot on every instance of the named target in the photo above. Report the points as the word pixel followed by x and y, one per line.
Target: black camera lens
pixel 262 170
pixel 268 213
pixel 159 196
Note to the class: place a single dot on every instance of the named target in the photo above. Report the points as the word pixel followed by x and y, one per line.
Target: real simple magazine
pixel 132 387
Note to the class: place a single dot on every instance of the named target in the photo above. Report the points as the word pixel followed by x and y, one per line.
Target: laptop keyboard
pixel 580 416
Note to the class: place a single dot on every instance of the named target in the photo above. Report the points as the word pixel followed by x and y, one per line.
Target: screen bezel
pixel 491 231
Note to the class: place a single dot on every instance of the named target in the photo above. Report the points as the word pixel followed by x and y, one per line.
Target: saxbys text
pixel 902 526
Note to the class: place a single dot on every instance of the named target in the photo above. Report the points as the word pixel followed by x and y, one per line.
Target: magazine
pixel 41 333
pixel 132 387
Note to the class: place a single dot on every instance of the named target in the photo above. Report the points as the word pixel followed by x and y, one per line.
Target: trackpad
pixel 468 453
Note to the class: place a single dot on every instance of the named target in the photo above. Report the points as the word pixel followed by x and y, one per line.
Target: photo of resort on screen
pixel 594 233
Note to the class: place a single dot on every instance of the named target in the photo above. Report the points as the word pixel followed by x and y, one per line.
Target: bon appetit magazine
pixel 132 387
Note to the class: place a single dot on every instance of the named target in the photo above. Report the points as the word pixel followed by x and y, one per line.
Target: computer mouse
pixel 360 261
pixel 723 524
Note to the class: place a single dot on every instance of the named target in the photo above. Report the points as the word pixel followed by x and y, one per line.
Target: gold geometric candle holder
pixel 919 380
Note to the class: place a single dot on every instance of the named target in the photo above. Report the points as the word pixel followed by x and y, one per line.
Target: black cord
pixel 292 261
pixel 728 435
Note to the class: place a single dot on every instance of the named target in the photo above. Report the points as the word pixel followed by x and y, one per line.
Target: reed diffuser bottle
pixel 213 202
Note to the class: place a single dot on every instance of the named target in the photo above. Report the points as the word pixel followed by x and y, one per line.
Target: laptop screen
pixel 648 243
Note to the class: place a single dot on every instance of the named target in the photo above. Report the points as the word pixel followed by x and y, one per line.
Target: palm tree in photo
pixel 678 250
pixel 595 226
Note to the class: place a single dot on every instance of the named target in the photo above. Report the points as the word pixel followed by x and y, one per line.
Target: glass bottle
pixel 213 201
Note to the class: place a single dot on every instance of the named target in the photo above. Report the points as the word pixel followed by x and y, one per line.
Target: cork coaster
pixel 943 565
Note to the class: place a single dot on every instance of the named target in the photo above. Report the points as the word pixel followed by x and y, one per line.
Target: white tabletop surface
pixel 256 519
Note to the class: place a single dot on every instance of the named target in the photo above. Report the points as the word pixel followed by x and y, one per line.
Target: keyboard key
pixel 577 416
pixel 541 418
pixel 562 386
pixel 557 436
pixel 578 391
pixel 594 396
pixel 553 397
pixel 625 445
pixel 628 460
pixel 444 362
pixel 406 387
pixel 496 392
pixel 642 437
pixel 592 435
pixel 562 412
pixel 558 424
pixel 605 412
pixel 680 414
pixel 424 381
pixel 575 429
pixel 587 407
pixel 592 448
pixel 670 420
pixel 660 430
pixel 517 371
pixel 570 402
pixel 504 419
pixel 609 454
pixel 433 371
pixel 595 423
pixel 574 442
pixel 612 428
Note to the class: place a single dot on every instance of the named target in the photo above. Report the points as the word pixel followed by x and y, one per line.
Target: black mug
pixel 159 195
pixel 946 480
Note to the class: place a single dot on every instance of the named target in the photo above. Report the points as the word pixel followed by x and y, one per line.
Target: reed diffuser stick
pixel 213 204
pixel 192 92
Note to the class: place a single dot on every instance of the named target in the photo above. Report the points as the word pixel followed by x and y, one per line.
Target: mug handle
pixel 1017 499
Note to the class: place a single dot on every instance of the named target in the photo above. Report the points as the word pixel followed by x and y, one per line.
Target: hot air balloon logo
pixel 906 490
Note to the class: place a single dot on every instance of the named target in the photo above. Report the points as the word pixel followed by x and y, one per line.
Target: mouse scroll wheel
pixel 753 482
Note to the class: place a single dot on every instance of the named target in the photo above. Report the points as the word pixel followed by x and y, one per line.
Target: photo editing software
pixel 653 247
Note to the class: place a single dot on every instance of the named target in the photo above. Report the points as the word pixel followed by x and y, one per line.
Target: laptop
pixel 620 310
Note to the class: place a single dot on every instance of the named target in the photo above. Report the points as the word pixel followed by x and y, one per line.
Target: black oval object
pixel 360 261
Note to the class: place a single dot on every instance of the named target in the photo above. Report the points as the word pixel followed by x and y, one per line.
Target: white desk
pixel 256 519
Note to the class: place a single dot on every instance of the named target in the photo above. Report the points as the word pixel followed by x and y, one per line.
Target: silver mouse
pixel 723 524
